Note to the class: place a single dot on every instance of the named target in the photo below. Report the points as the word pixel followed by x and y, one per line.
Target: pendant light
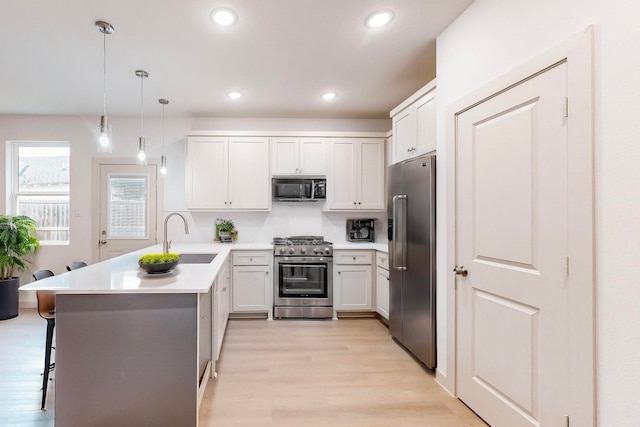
pixel 142 144
pixel 163 158
pixel 104 140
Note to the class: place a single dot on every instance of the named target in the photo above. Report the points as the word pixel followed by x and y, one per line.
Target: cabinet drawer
pixel 382 260
pixel 252 258
pixel 354 257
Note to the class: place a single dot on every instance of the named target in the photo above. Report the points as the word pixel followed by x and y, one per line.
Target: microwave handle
pixel 313 189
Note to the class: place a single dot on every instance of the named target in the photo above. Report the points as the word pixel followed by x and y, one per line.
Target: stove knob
pixel 327 251
pixel 303 250
pixel 281 250
pixel 315 250
pixel 291 251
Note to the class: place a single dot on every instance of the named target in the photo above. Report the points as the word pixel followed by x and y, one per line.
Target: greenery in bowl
pixel 159 258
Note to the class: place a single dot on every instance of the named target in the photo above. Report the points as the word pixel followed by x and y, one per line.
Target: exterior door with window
pixel 127 209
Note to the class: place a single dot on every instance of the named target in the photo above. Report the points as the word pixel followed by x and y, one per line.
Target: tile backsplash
pixel 284 219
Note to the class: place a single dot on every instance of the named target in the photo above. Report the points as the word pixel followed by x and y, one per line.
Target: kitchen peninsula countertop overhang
pixel 121 275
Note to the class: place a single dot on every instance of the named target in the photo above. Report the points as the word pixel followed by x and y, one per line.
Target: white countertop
pixel 122 275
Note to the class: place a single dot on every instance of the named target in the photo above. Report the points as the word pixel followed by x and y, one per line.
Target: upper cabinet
pixel 298 156
pixel 228 173
pixel 414 124
pixel 355 179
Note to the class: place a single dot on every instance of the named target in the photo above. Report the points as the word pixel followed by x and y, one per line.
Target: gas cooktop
pixel 302 245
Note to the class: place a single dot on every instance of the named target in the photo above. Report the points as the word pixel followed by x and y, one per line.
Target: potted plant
pixel 17 241
pixel 225 230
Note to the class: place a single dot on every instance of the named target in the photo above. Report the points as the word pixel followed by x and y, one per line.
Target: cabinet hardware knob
pixel 354 203
pixel 359 203
pixel 354 258
pixel 225 203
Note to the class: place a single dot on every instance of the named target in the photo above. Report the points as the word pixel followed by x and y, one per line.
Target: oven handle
pixel 306 260
pixel 302 263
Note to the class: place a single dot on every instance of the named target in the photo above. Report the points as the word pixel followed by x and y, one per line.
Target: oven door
pixel 303 281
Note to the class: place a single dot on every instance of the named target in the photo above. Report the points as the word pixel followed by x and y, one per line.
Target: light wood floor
pixel 324 373
pixel 270 373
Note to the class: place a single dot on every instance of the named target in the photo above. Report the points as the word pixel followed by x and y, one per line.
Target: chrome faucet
pixel 167 243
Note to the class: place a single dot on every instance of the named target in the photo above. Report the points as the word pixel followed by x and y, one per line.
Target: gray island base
pixel 128 359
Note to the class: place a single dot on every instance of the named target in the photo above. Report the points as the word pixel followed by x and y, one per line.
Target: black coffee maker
pixel 361 230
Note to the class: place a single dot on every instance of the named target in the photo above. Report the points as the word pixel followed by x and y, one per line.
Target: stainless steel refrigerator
pixel 412 259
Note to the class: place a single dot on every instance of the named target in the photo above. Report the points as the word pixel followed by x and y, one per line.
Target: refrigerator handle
pixel 395 224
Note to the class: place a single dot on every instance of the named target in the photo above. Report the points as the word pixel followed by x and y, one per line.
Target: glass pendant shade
pixel 104 140
pixel 163 165
pixel 141 159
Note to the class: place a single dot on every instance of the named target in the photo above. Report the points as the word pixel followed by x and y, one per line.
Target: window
pixel 40 182
pixel 127 215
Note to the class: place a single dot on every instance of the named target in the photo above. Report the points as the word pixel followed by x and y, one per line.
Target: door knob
pixel 461 271
pixel 102 242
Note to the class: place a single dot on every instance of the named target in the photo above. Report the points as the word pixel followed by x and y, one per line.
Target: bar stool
pixel 46 310
pixel 75 265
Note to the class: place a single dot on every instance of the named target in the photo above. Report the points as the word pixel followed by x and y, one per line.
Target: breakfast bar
pixel 134 348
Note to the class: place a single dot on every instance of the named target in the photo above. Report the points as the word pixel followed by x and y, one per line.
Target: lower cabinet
pixel 382 285
pixel 222 303
pixel 252 282
pixel 352 280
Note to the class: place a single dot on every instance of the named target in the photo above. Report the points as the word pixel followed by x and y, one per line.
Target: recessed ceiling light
pixel 329 96
pixel 234 95
pixel 224 17
pixel 379 19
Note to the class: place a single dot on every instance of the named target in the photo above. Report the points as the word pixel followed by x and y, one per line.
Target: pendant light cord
pixel 104 74
pixel 163 129
pixel 141 105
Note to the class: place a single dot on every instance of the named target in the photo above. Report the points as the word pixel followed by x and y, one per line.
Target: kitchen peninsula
pixel 133 348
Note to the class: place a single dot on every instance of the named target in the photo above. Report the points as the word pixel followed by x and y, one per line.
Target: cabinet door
pixel 371 174
pixel 206 173
pixel 382 292
pixel 426 124
pixel 251 288
pixel 341 179
pixel 285 155
pixel 404 134
pixel 249 178
pixel 352 287
pixel 313 156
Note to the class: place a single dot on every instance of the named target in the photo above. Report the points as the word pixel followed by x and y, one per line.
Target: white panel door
pixel 206 173
pixel 313 156
pixel 249 177
pixel 128 204
pixel 511 207
pixel 382 292
pixel 284 158
pixel 341 180
pixel 370 169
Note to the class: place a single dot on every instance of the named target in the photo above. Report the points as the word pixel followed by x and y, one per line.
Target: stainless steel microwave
pixel 299 189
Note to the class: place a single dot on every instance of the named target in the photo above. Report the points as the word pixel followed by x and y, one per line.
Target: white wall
pixel 81 133
pixel 492 37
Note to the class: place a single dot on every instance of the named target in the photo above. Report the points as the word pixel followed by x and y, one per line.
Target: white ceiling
pixel 282 54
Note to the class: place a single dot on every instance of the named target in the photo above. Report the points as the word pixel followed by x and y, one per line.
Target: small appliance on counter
pixel 361 230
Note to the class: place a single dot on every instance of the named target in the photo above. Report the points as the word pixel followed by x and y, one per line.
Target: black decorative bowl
pixel 159 267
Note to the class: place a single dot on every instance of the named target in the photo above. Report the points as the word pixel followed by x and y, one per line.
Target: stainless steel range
pixel 303 277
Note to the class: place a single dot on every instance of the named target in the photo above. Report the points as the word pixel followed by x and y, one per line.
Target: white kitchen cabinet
pixel 414 125
pixel 252 282
pixel 352 281
pixel 298 156
pixel 228 173
pixel 222 306
pixel 382 284
pixel 355 180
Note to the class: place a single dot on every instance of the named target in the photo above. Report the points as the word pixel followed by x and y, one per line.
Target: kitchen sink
pixel 196 258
